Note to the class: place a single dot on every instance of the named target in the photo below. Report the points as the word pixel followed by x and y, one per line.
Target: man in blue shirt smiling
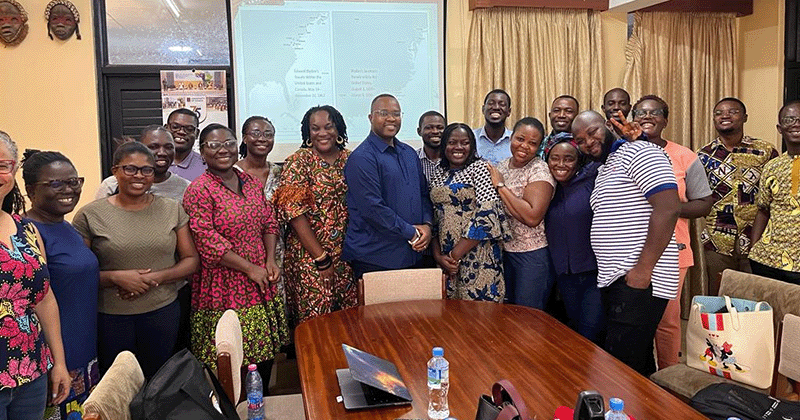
pixel 387 197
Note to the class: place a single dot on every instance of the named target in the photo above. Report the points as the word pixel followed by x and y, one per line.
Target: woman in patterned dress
pixel 469 219
pixel 235 231
pixel 30 329
pixel 258 139
pixel 311 197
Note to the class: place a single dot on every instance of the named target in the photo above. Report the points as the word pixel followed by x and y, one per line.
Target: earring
pixel 340 141
pixel 307 142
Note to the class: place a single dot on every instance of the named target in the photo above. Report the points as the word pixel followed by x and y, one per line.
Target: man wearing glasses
pixel 733 163
pixel 776 250
pixel 387 197
pixel 183 124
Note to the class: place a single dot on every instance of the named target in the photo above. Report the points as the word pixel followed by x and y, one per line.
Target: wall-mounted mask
pixel 62 19
pixel 13 22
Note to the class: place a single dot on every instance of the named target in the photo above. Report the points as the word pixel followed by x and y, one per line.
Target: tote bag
pixel 732 338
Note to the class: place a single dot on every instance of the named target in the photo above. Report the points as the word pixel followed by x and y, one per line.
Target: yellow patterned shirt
pixel 779 246
pixel 733 176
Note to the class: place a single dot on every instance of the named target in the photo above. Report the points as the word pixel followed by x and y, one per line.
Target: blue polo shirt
pixel 386 195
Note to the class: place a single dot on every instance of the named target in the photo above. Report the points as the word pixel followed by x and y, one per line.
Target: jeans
pixel 25 402
pixel 529 277
pixel 632 316
pixel 583 303
pixel 151 336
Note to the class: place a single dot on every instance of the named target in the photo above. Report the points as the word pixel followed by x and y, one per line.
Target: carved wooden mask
pixel 13 22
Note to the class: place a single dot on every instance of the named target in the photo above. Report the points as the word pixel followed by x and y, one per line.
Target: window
pixel 167 32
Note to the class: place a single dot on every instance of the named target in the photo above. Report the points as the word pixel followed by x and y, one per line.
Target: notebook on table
pixel 370 381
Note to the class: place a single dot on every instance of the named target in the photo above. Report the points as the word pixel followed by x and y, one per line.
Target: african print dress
pixel 466 206
pixel 222 221
pixel 24 282
pixel 310 186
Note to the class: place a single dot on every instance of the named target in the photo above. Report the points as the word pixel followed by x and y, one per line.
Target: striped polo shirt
pixel 633 172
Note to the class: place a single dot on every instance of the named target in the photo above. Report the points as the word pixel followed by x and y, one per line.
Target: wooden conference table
pixel 547 362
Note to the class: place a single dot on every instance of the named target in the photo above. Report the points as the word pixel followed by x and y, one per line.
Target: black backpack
pixel 720 401
pixel 182 389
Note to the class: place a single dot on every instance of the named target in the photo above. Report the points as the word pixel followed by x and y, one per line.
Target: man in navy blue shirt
pixel 387 197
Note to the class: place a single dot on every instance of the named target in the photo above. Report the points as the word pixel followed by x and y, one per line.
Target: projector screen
pixel 292 55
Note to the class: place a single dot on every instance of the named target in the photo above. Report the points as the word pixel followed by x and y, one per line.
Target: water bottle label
pixel 255 401
pixel 434 378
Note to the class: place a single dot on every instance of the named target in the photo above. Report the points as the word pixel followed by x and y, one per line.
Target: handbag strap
pixel 733 312
pixel 509 412
pixel 515 399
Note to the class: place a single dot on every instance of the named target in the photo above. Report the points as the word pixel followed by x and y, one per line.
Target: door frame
pixel 104 71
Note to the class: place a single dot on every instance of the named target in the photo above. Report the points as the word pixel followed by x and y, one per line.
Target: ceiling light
pixel 179 48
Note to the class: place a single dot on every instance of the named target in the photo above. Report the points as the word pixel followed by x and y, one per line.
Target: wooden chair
pixel 684 381
pixel 788 358
pixel 400 285
pixel 111 398
pixel 230 357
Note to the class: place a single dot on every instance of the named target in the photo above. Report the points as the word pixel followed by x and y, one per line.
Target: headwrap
pixel 564 137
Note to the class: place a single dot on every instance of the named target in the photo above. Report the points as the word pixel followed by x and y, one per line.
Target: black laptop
pixel 370 381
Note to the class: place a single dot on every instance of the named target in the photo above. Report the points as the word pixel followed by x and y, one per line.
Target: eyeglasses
pixel 215 145
pixel 266 135
pixel 175 127
pixel 132 170
pixel 62 184
pixel 7 166
pixel 641 113
pixel 731 112
pixel 789 120
pixel 384 113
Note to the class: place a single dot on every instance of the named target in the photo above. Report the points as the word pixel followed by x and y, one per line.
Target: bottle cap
pixel 438 352
pixel 616 404
pixel 252 367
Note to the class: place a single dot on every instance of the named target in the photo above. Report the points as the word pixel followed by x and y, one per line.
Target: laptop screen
pixel 375 372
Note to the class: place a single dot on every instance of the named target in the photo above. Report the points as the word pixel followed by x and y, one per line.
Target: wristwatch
pixel 499 185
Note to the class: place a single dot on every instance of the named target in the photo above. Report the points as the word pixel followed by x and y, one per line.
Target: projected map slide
pixel 299 54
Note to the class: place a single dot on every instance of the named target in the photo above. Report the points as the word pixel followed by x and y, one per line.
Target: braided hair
pixel 34 160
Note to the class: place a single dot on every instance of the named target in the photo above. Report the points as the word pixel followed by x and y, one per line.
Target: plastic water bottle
pixel 616 413
pixel 438 384
pixel 255 394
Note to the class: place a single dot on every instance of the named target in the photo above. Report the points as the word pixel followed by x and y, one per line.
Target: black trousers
pixel 361 267
pixel 632 316
pixel 775 273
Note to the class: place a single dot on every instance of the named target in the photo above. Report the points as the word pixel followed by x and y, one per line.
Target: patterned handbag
pixel 732 338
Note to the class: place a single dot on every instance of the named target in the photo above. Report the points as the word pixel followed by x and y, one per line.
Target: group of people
pixel 597 208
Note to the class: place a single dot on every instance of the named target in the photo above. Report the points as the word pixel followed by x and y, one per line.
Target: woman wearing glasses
pixel 311 196
pixel 651 112
pixel 54 188
pixel 235 231
pixel 166 184
pixel 145 250
pixel 30 330
pixel 258 137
